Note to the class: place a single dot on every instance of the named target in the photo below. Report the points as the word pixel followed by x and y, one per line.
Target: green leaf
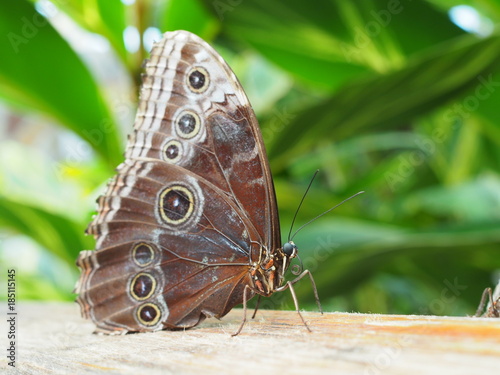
pixel 43 73
pixel 344 254
pixel 389 101
pixel 472 201
pixel 189 15
pixel 61 236
pixel 104 17
pixel 332 42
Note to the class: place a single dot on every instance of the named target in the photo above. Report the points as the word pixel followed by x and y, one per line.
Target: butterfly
pixel 188 228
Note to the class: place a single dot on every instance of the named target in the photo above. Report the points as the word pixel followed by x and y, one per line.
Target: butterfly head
pixel 288 252
pixel 290 249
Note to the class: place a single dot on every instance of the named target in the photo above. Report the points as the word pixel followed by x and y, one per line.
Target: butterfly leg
pixel 483 302
pixel 243 321
pixel 315 290
pixel 256 306
pixel 289 285
pixel 296 302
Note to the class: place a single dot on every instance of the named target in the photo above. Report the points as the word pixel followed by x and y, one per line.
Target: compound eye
pixel 290 249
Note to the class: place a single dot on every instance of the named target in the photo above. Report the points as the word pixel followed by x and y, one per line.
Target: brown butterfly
pixel 188 228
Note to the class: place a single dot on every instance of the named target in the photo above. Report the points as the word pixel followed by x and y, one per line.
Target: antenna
pixel 324 213
pixel 300 204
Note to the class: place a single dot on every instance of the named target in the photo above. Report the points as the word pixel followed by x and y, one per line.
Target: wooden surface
pixel 53 339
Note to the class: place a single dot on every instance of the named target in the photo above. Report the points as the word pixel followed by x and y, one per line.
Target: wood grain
pixel 53 339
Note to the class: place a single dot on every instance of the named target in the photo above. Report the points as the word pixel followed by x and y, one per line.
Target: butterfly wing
pixel 192 206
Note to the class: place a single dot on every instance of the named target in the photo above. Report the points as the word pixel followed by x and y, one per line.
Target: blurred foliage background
pixel 397 98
